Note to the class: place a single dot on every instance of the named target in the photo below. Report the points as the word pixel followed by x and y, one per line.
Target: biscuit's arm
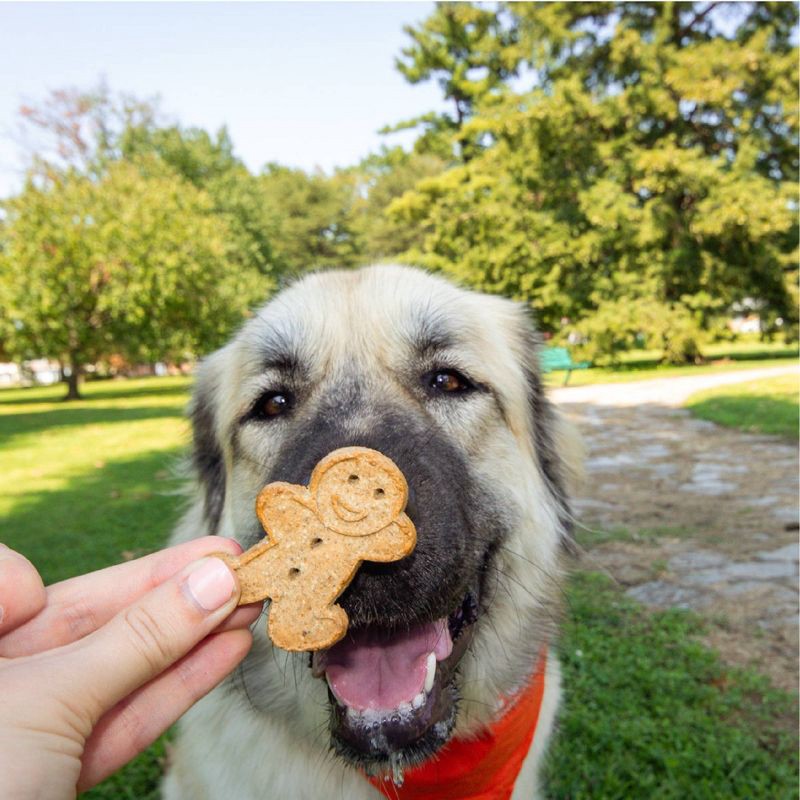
pixel 281 508
pixel 391 543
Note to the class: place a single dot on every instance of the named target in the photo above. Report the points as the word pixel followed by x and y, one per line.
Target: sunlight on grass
pixel 624 374
pixel 648 711
pixel 91 483
pixel 639 365
pixel 769 405
pixel 77 475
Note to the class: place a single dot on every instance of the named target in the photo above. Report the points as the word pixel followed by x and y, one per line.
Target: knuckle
pixel 149 637
pixel 137 735
pixel 80 619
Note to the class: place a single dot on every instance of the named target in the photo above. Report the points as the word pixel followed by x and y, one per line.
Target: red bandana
pixel 483 768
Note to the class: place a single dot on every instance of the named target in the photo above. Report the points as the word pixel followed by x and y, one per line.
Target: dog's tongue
pixel 372 669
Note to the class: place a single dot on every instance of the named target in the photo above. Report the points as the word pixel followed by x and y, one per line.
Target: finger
pixel 79 606
pixel 22 593
pixel 147 637
pixel 136 722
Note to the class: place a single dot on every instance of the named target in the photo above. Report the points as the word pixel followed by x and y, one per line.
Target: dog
pixel 446 645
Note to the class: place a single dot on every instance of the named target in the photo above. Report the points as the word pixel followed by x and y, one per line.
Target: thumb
pixel 151 634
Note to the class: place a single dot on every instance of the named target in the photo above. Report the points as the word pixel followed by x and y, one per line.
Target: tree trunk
pixel 73 377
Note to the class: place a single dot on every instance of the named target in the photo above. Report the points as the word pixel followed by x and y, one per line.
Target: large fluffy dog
pixel 445 382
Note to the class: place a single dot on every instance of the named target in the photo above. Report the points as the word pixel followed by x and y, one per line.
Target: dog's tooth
pixel 431 672
pixel 333 692
pixel 418 700
pixel 404 708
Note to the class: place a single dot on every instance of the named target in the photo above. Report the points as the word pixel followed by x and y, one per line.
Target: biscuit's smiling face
pixel 374 494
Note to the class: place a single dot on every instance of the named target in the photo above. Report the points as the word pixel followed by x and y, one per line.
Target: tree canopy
pixel 654 162
pixel 130 264
pixel 628 170
pixel 128 239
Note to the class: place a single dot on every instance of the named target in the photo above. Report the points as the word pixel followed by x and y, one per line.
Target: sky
pixel 306 84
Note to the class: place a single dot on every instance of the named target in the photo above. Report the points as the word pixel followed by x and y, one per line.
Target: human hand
pixel 95 668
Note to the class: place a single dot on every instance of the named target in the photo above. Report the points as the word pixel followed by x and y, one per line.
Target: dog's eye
pixel 448 381
pixel 273 404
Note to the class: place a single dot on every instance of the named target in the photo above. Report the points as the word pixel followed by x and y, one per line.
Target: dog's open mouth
pixel 392 693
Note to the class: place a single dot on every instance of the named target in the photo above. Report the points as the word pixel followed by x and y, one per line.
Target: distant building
pixel 41 371
pixel 745 317
pixel 36 372
pixel 10 374
pixel 748 323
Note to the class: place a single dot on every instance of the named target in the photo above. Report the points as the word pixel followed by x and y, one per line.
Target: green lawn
pixel 639 365
pixel 649 712
pixel 764 406
pixel 89 483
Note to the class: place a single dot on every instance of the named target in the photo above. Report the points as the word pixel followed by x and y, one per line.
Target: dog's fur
pixel 487 478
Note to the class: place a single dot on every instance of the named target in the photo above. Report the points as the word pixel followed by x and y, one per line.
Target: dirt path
pixel 684 513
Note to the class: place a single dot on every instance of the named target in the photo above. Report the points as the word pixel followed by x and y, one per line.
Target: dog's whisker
pixel 555 582
pixel 558 585
pixel 539 609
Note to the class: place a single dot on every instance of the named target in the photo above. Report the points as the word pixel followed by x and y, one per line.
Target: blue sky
pixel 304 84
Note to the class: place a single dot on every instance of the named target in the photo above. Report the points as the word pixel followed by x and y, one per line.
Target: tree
pixel 130 263
pixel 655 163
pixel 379 180
pixel 131 237
pixel 309 218
pixel 209 163
pixel 81 130
pixel 469 51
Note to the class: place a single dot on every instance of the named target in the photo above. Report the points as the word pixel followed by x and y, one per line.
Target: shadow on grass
pixel 645 364
pixel 751 413
pixel 20 424
pixel 125 509
pixel 757 355
pixel 96 391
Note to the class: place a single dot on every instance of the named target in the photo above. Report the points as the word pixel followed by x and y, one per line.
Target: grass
pixel 90 483
pixel 649 712
pixel 764 406
pixel 641 365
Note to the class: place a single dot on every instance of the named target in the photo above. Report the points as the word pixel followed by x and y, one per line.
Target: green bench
pixel 556 358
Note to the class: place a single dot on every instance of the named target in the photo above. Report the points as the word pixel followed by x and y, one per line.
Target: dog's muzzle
pixel 392 693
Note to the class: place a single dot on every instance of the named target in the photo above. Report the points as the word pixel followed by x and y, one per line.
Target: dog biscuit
pixel 317 536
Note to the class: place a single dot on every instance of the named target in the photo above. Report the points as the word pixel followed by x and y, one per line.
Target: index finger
pixel 78 606
pixel 22 593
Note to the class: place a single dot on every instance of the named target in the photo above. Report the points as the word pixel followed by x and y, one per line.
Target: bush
pixel 620 325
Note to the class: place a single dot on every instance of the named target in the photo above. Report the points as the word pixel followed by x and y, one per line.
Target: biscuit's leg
pixel 295 628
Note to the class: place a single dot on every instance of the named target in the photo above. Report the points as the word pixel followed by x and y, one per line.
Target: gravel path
pixel 684 513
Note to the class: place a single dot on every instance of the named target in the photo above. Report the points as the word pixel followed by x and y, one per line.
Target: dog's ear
pixel 555 440
pixel 207 458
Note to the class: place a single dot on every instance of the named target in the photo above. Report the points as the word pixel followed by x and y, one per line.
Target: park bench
pixel 557 358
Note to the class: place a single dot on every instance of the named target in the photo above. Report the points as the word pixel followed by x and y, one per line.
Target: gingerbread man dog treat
pixel 317 537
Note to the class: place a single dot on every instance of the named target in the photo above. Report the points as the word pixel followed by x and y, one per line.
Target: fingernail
pixel 211 584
